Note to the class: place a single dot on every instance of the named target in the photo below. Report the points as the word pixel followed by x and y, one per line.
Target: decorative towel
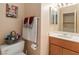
pixel 26 22
pixel 31 20
pixel 31 33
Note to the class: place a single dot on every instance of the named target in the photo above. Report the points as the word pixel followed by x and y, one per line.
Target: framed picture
pixel 53 16
pixel 11 11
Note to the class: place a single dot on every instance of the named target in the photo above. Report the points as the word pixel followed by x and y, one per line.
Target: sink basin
pixel 75 37
pixel 65 35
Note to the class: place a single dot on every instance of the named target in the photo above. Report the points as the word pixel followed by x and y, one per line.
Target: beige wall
pixel 42 11
pixel 70 9
pixel 25 10
pixel 53 27
pixel 46 27
pixel 8 24
pixel 33 9
pixel 77 18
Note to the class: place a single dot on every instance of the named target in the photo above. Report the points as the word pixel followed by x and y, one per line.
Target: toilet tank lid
pixel 6 46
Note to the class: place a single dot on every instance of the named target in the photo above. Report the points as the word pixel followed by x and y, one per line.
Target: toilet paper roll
pixel 34 46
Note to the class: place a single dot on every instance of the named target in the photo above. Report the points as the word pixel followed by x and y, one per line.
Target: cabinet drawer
pixel 64 43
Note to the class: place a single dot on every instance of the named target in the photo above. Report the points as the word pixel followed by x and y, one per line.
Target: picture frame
pixel 11 11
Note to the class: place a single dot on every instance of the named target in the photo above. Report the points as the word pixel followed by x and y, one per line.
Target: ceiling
pixel 59 5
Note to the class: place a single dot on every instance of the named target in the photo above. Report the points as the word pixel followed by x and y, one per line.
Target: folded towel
pixel 28 22
pixel 31 19
pixel 31 33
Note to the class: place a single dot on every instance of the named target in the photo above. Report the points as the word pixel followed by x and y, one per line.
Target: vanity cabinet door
pixel 55 50
pixel 69 52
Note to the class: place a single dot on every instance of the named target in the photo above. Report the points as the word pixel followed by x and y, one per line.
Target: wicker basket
pixel 10 41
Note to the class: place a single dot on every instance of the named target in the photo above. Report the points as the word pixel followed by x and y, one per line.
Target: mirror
pixel 68 22
pixel 53 16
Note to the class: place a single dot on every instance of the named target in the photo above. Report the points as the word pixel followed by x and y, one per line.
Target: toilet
pixel 13 49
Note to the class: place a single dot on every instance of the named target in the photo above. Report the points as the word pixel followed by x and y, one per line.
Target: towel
pixel 31 20
pixel 31 33
pixel 25 20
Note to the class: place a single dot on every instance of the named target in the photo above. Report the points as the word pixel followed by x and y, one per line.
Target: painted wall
pixel 70 9
pixel 46 27
pixel 42 11
pixel 8 24
pixel 25 10
pixel 33 9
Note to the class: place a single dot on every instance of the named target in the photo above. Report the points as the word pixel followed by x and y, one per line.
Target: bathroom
pixel 14 25
pixel 36 41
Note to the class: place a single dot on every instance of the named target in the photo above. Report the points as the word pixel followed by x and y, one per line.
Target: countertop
pixel 65 35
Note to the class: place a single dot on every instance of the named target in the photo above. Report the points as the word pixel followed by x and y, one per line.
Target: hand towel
pixel 31 20
pixel 25 20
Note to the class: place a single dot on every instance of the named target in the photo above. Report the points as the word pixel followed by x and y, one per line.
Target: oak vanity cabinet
pixel 55 50
pixel 69 52
pixel 68 18
pixel 59 46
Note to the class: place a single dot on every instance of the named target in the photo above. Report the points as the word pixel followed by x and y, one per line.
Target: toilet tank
pixel 13 48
